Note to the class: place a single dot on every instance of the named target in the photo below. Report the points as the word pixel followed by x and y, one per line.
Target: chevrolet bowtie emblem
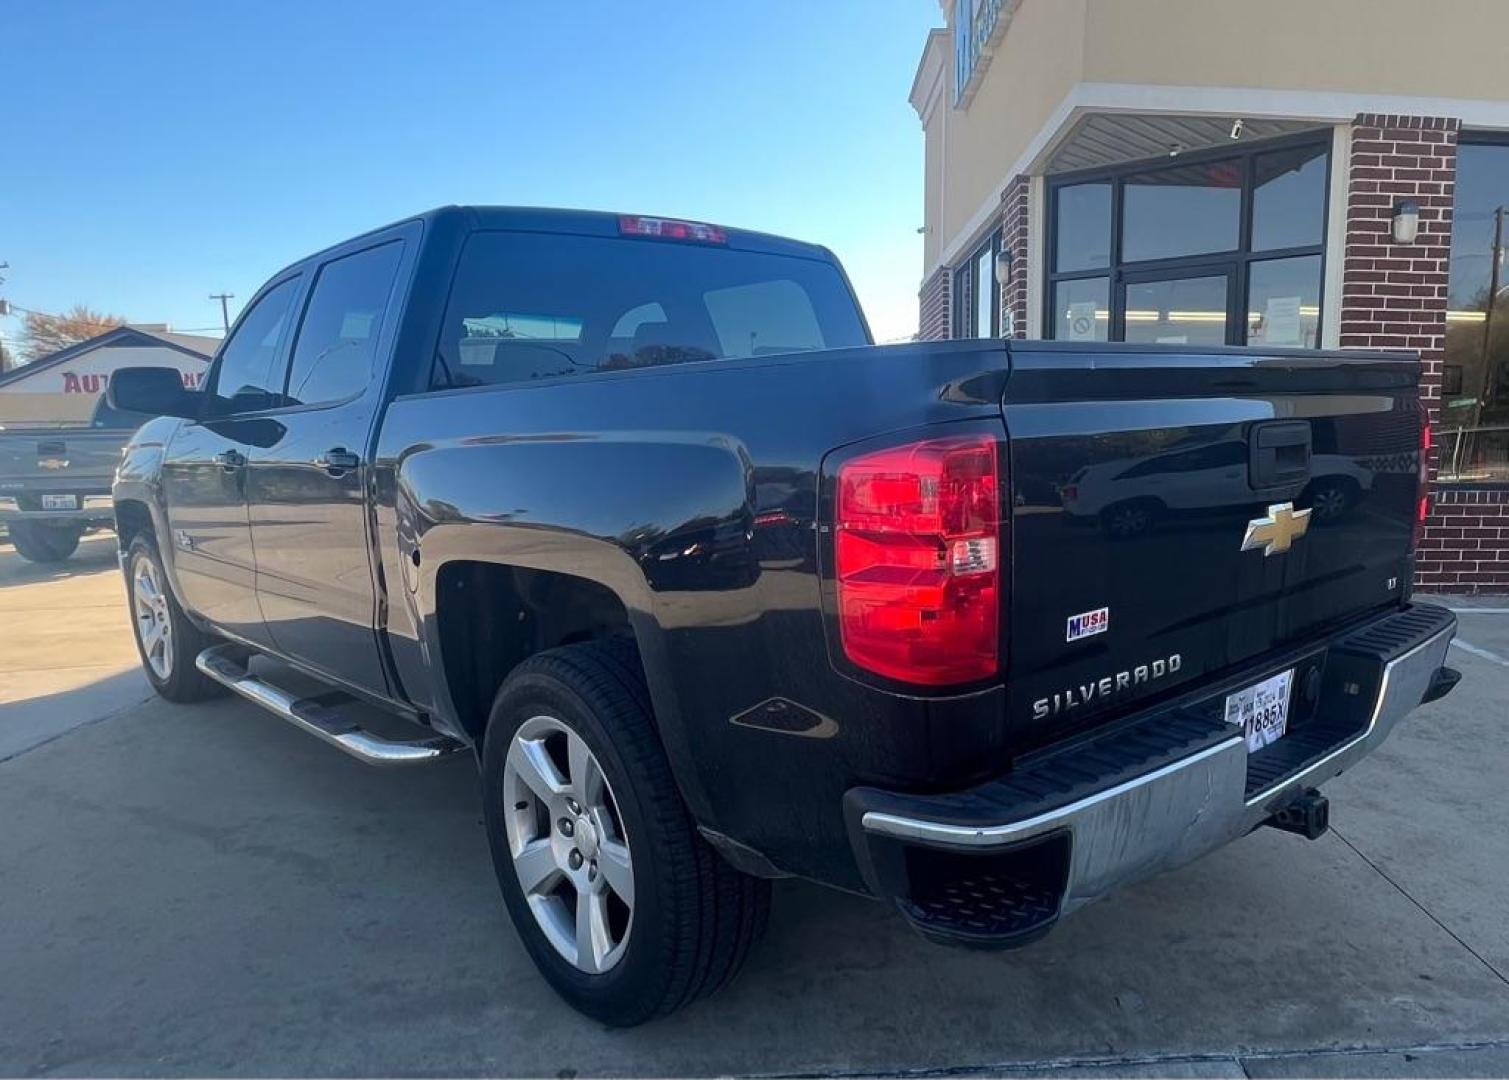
pixel 1279 528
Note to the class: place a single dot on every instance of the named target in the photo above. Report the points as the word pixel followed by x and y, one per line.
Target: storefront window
pixel 1283 303
pixel 1289 198
pixel 1084 233
pixel 1082 309
pixel 1188 210
pixel 1178 311
pixel 977 298
pixel 1474 436
pixel 985 290
pixel 1222 248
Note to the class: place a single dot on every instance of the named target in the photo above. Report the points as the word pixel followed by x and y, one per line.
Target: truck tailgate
pixel 59 459
pixel 1159 532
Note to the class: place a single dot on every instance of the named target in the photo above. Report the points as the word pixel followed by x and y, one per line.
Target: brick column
pixel 1466 544
pixel 934 307
pixel 1015 206
pixel 1394 295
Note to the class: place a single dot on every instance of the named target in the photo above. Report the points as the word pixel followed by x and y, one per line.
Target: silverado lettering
pixel 1105 686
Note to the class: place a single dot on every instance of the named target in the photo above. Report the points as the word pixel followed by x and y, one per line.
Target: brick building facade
pixel 1353 229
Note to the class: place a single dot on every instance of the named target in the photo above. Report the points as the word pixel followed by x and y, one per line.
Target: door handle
pixel 337 460
pixel 230 460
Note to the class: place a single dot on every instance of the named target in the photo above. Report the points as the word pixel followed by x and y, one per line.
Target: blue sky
pixel 153 153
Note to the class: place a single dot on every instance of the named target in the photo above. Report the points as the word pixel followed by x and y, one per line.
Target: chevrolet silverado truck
pixel 55 481
pixel 715 591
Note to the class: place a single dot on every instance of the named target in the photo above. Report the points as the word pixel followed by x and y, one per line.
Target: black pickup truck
pixel 717 591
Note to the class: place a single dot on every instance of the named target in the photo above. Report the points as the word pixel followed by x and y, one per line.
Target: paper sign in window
pixel 1082 320
pixel 1281 322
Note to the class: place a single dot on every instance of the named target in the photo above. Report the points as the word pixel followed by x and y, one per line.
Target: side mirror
pixel 156 391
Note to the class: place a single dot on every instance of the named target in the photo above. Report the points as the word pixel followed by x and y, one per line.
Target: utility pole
pixel 225 314
pixel 7 359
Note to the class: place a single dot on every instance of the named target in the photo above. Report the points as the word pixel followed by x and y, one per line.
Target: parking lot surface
pixel 204 890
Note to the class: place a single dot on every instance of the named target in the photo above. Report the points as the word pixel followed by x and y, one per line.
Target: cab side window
pixel 337 343
pixel 248 376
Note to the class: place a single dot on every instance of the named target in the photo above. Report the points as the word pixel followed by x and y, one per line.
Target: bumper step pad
pixel 986 901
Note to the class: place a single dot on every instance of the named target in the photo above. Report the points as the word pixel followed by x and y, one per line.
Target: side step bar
pixel 226 665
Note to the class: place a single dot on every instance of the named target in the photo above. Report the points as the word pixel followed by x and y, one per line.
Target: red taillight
pixel 1422 505
pixel 671 229
pixel 918 561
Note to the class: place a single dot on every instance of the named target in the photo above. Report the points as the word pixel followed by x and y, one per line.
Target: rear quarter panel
pixel 691 492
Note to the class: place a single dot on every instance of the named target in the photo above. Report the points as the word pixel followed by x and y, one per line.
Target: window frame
pixel 295 274
pixel 306 302
pixel 964 298
pixel 387 370
pixel 1239 260
pixel 1467 137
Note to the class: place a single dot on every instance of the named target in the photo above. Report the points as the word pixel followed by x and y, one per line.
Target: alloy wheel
pixel 567 841
pixel 1329 503
pixel 1129 521
pixel 154 624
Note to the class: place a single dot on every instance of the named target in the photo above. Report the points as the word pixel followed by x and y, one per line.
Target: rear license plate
pixel 60 502
pixel 1261 710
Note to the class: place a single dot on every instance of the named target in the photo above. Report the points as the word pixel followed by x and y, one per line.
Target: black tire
pixel 183 682
pixel 1130 519
pixel 695 918
pixel 1330 500
pixel 45 541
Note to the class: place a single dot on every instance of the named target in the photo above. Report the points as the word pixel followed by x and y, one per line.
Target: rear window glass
pixel 531 306
pixel 107 415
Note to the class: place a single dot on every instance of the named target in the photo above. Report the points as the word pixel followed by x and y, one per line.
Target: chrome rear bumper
pixel 91 508
pixel 1161 818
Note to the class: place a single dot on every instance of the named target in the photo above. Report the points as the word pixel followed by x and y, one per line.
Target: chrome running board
pixel 226 664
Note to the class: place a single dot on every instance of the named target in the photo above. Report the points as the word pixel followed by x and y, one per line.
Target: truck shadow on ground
pixel 96 552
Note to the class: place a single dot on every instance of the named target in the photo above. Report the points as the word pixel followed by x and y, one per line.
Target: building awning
pixel 1109 138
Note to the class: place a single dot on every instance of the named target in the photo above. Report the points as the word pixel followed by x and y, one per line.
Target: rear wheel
pixel 165 639
pixel 1124 520
pixel 622 905
pixel 45 541
pixel 1330 500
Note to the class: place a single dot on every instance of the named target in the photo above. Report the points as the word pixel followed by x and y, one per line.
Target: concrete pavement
pixel 65 657
pixel 203 890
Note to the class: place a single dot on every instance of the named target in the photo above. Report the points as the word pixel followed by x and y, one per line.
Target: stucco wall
pixel 1451 48
pixel 1036 64
pixel 932 184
